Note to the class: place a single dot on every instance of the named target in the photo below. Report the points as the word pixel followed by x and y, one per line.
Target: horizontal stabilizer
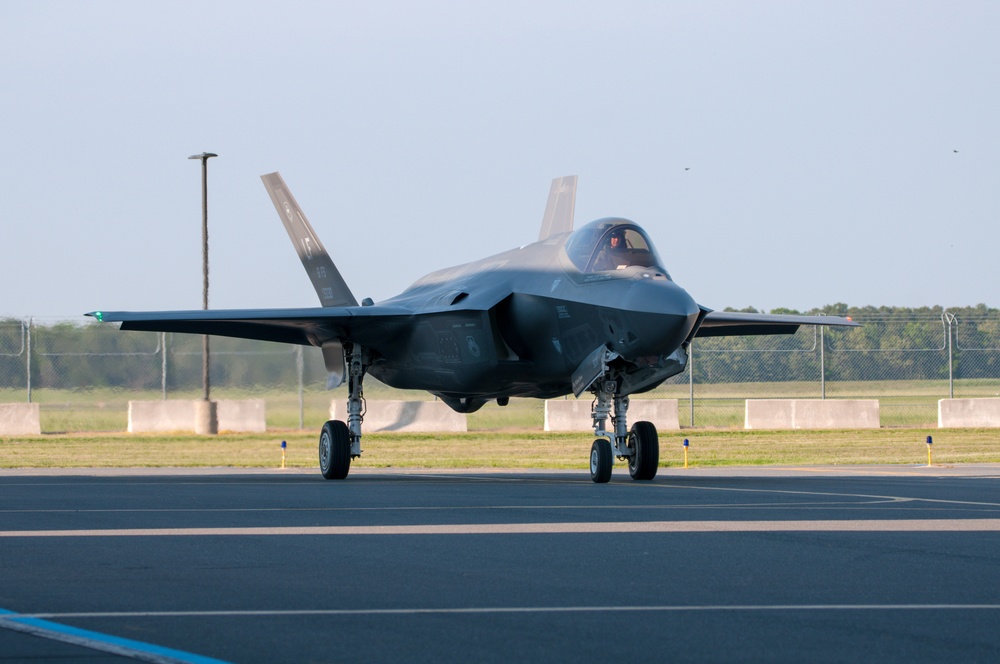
pixel 325 277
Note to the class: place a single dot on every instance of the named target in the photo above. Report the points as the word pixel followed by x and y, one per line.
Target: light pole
pixel 206 420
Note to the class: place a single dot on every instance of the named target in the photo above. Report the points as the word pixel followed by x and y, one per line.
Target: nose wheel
pixel 643 454
pixel 639 446
pixel 644 448
pixel 601 460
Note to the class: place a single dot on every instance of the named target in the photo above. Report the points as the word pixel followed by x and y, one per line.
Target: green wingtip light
pixel 99 315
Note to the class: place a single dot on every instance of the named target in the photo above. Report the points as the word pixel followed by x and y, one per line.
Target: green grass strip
pixel 503 449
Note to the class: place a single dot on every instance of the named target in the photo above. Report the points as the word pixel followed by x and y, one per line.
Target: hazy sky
pixel 781 154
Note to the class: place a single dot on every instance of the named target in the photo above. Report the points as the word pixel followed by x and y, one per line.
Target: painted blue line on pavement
pixel 98 641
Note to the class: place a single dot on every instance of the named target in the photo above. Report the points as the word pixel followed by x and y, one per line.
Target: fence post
pixel 27 354
pixel 163 364
pixel 691 379
pixel 822 362
pixel 300 366
pixel 950 318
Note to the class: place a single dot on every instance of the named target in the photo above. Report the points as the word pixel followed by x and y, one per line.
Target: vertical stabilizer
pixel 559 209
pixel 325 277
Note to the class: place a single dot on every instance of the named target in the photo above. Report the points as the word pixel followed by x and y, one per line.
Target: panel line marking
pixel 843 525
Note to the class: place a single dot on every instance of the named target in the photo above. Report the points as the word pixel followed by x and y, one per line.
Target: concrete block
pixel 181 415
pixel 812 414
pixel 160 416
pixel 970 413
pixel 574 414
pixel 405 416
pixel 206 417
pixel 243 415
pixel 20 419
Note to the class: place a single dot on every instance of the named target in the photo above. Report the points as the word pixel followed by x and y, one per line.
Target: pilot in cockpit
pixel 614 253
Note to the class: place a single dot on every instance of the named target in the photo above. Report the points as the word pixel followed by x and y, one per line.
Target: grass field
pixel 910 403
pixel 508 437
pixel 502 449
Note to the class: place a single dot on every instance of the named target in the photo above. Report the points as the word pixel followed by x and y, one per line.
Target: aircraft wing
pixel 735 323
pixel 314 326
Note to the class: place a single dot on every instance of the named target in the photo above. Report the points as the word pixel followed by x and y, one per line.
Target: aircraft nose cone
pixel 661 316
pixel 659 296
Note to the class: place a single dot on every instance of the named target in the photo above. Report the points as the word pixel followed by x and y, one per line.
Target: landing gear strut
pixel 340 442
pixel 640 446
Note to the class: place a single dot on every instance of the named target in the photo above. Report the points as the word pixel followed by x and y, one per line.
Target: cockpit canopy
pixel 612 244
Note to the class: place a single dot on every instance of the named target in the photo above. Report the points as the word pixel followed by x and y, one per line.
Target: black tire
pixel 334 450
pixel 644 440
pixel 601 461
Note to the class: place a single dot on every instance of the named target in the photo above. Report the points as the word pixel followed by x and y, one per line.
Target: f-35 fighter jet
pixel 586 310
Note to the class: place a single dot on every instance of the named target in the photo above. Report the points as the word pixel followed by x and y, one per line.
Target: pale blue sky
pixel 820 138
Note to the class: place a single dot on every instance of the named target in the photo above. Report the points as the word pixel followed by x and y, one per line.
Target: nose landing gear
pixel 640 446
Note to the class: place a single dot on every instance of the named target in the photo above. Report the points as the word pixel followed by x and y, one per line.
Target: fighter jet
pixel 586 310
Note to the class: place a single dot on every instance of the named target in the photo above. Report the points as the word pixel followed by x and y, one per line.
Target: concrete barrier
pixel 812 414
pixel 206 417
pixel 978 413
pixel 405 416
pixel 244 415
pixel 574 414
pixel 20 419
pixel 160 416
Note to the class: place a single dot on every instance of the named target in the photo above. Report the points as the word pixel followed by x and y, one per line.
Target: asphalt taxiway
pixel 774 564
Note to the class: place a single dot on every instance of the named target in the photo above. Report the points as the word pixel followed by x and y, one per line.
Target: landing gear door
pixel 592 367
pixel 333 358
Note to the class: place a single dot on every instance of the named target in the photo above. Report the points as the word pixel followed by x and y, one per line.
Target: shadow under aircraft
pixel 586 310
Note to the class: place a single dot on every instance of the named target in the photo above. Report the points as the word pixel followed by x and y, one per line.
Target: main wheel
pixel 645 443
pixel 601 460
pixel 334 450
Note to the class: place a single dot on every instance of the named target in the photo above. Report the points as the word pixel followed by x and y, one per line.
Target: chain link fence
pixel 907 362
pixel 83 375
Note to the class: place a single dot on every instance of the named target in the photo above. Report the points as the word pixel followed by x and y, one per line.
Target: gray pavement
pixel 772 564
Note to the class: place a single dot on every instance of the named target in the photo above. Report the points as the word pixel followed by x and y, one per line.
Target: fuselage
pixel 521 322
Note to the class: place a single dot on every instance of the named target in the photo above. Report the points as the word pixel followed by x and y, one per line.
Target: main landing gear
pixel 640 446
pixel 340 442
